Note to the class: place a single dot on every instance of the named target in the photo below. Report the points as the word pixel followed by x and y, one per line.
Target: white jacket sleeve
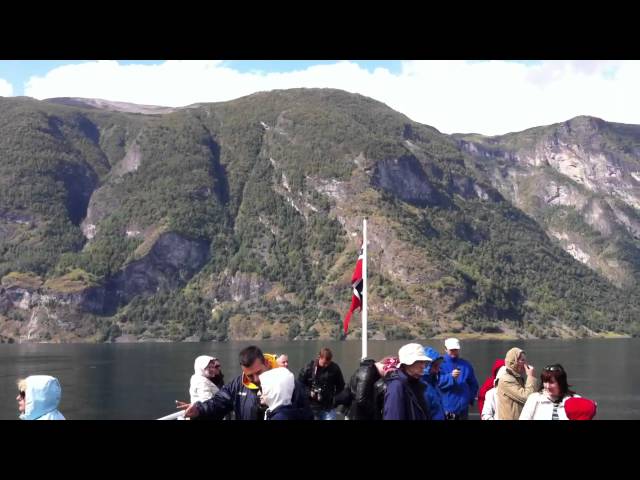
pixel 193 390
pixel 210 389
pixel 489 407
pixel 529 409
pixel 201 389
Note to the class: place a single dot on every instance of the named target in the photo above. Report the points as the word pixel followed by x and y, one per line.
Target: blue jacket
pixel 432 394
pixel 289 412
pixel 404 398
pixel 42 398
pixel 243 401
pixel 457 394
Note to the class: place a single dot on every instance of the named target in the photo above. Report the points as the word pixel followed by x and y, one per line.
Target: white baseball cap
pixel 452 344
pixel 412 353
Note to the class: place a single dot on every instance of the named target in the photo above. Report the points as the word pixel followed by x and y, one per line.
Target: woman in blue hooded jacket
pixel 39 397
pixel 430 377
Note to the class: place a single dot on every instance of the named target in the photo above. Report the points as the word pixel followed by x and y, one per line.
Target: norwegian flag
pixel 356 298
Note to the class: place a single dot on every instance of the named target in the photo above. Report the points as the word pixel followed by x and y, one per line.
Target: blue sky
pixel 490 97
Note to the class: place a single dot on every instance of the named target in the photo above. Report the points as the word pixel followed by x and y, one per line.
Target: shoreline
pixel 460 336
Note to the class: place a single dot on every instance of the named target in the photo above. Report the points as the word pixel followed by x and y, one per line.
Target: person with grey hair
pixel 283 360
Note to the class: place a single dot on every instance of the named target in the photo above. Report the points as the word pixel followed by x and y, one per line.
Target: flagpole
pixel 364 288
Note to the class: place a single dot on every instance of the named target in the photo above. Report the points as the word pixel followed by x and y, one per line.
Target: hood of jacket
pixel 434 355
pixel 200 364
pixel 496 366
pixel 490 382
pixel 42 396
pixel 499 374
pixel 511 360
pixel 277 387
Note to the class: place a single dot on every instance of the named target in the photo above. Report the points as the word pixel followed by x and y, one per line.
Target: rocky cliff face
pixel 59 311
pixel 405 178
pixel 170 263
pixel 240 220
pixel 37 313
pixel 240 287
pixel 580 180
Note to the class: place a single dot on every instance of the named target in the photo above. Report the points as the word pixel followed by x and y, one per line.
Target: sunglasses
pixel 553 368
pixel 22 394
pixel 217 365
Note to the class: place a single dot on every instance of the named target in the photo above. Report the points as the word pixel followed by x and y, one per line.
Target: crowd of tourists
pixel 416 383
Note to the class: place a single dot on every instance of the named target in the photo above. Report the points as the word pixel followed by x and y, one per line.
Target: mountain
pixel 239 220
pixel 112 106
pixel 580 180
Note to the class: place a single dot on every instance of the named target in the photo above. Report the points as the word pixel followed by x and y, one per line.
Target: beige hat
pixel 412 353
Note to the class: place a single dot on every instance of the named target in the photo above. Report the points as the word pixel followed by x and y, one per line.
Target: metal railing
pixel 174 416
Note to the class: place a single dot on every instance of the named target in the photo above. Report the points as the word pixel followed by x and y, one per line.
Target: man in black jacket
pixel 367 388
pixel 242 394
pixel 323 380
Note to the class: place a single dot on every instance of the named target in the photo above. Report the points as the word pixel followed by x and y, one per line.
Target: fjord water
pixel 142 380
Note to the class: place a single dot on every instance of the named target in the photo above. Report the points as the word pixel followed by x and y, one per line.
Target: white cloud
pixel 491 97
pixel 6 89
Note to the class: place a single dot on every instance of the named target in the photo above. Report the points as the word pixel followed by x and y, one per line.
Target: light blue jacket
pixel 42 398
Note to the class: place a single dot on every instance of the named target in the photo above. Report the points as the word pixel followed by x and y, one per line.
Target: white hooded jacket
pixel 42 398
pixel 277 387
pixel 200 387
pixel 490 407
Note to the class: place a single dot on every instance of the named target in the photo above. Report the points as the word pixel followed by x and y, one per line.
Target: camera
pixel 316 393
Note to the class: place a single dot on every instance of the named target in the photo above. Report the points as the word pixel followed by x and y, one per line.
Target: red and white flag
pixel 356 298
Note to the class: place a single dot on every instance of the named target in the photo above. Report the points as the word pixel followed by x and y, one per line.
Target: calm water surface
pixel 142 380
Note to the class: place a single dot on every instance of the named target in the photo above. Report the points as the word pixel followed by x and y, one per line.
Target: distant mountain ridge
pixel 236 220
pixel 98 103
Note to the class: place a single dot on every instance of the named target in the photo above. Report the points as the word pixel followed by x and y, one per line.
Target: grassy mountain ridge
pixel 236 220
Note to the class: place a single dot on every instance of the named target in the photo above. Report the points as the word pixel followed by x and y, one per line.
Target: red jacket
pixel 488 383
